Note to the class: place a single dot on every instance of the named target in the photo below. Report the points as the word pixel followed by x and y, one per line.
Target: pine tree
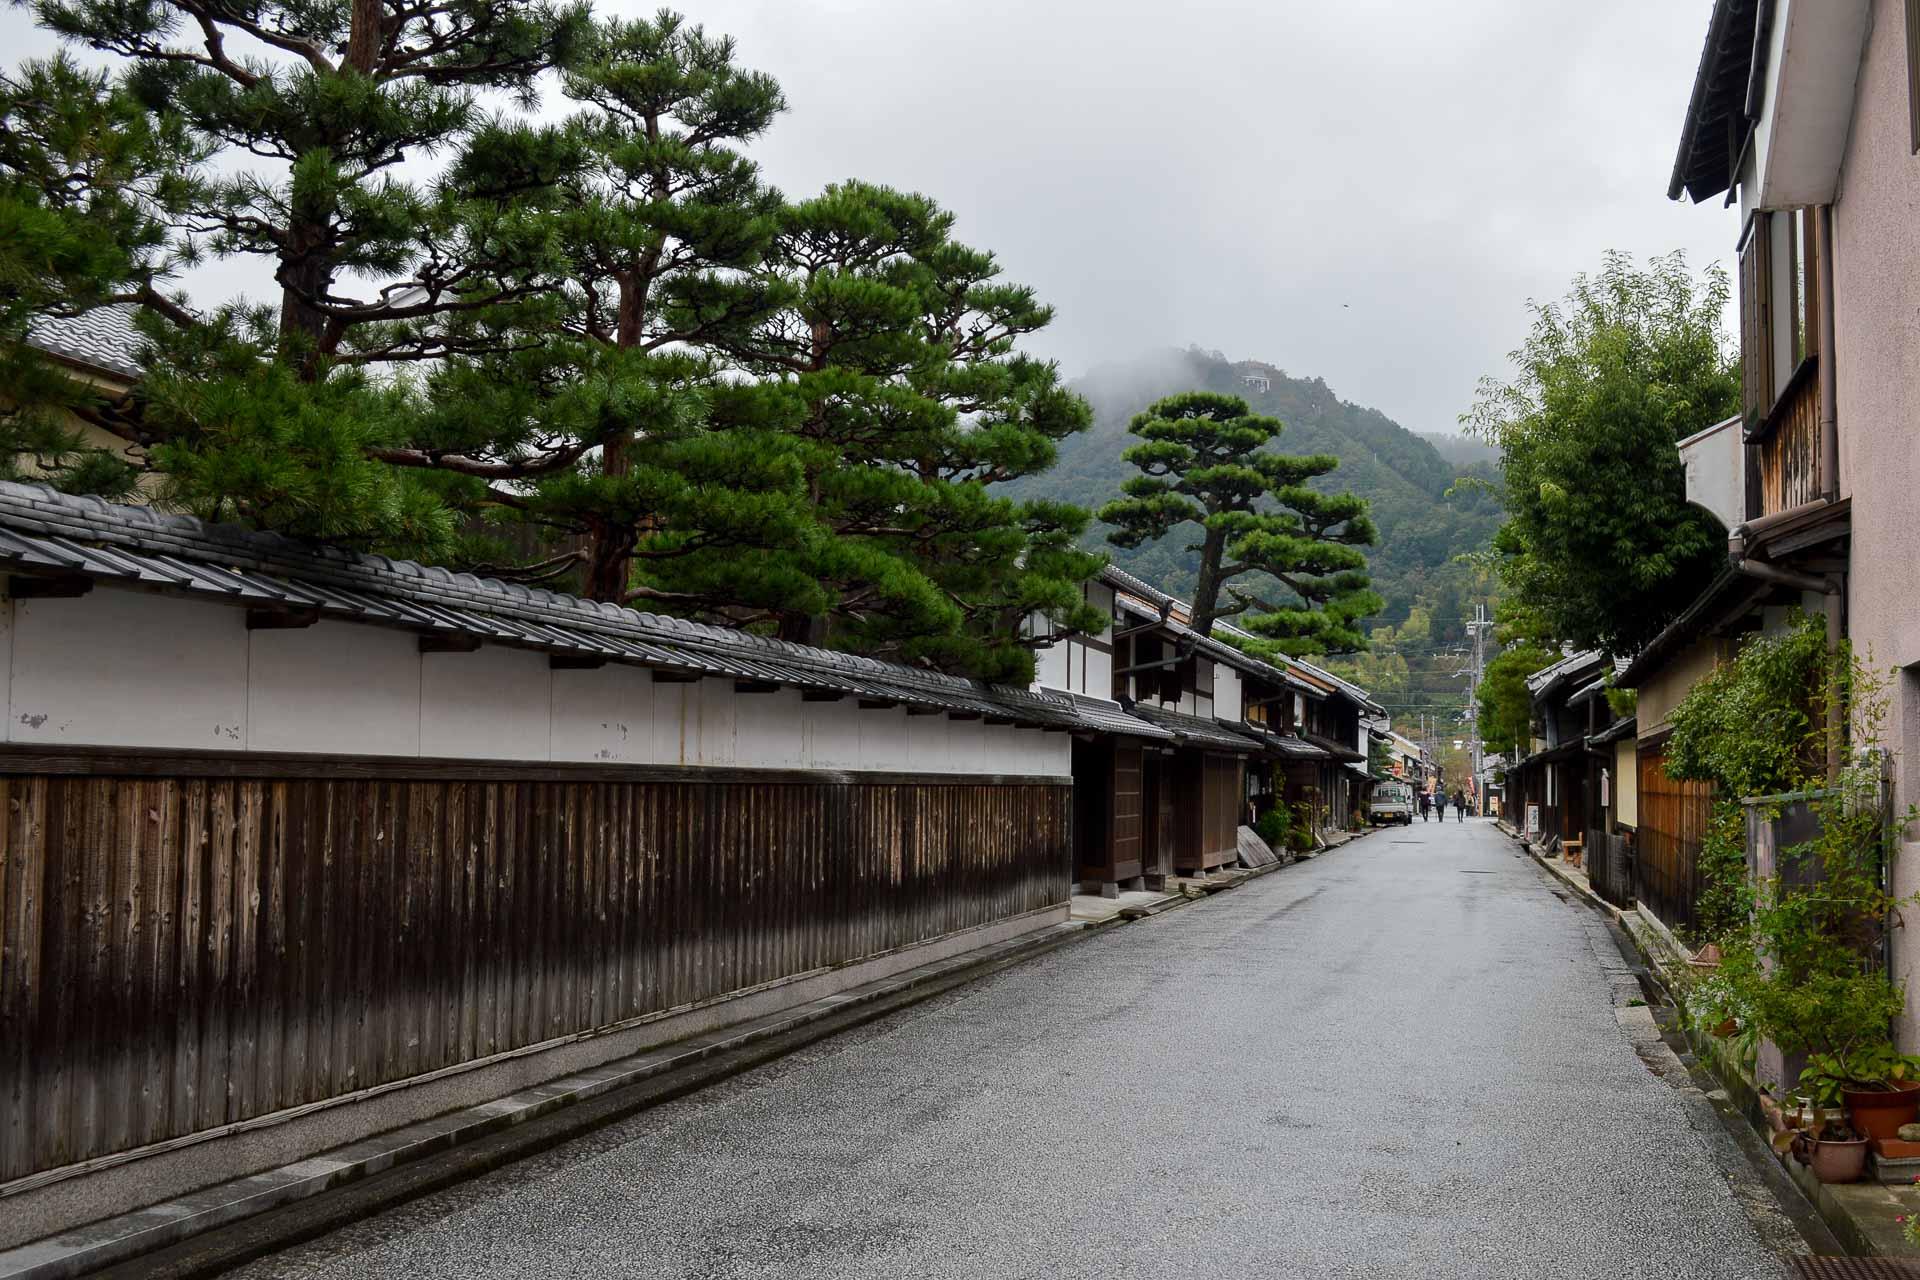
pixel 83 194
pixel 324 103
pixel 891 348
pixel 1204 462
pixel 659 228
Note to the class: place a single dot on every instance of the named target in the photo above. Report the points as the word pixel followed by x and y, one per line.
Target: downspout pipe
pixel 1829 384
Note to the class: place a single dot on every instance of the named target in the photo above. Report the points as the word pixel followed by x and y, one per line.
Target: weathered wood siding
pixel 186 946
pixel 1788 455
pixel 1673 822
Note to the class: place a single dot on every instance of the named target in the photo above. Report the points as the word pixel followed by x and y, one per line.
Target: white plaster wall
pixel 494 703
pixel 606 714
pixel 334 687
pixel 1876 229
pixel 769 731
pixel 1226 693
pixel 833 735
pixel 1050 668
pixel 129 669
pixel 712 718
pixel 930 744
pixel 6 655
pixel 125 669
pixel 883 738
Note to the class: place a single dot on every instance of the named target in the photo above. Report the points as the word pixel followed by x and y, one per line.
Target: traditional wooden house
pixel 1547 789
pixel 1187 684
pixel 303 844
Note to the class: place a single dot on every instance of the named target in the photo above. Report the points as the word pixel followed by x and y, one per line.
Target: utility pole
pixel 1476 670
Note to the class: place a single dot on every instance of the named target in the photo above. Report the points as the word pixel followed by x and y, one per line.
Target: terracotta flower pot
pixel 1835 1161
pixel 1880 1113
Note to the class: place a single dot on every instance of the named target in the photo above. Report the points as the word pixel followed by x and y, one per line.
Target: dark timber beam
pixel 449 644
pixel 923 711
pixel 821 695
pixel 661 676
pixel 576 661
pixel 65 586
pixel 755 686
pixel 877 704
pixel 281 619
pixel 963 715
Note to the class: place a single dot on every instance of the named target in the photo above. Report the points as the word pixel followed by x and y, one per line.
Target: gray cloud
pixel 1360 189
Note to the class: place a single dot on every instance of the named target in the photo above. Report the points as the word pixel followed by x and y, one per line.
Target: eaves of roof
pixel 1334 749
pixel 1621 728
pixel 1717 121
pixel 47 533
pixel 1194 731
pixel 1105 716
pixel 1729 594
pixel 1285 745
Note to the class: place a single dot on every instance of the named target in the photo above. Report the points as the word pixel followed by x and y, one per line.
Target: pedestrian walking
pixel 1426 805
pixel 1440 803
pixel 1459 806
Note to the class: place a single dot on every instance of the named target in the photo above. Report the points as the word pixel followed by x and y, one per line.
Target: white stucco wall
pixel 1876 228
pixel 120 668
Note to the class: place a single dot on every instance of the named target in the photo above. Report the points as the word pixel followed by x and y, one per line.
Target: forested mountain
pixel 1427 518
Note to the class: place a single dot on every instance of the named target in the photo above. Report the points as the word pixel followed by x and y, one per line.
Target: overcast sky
pixel 1366 190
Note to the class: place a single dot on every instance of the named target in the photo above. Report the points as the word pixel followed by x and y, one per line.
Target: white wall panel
pixel 675 738
pixel 605 714
pixel 334 687
pixel 768 730
pixel 121 668
pixel 493 704
pixel 883 739
pixel 711 719
pixel 6 658
pixel 930 744
pixel 833 735
pixel 1226 692
pixel 1050 668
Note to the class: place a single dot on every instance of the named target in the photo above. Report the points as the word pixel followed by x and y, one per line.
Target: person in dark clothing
pixel 1460 806
pixel 1426 805
pixel 1440 803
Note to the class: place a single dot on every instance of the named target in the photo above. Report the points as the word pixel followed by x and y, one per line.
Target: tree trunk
pixel 1206 591
pixel 363 39
pixel 305 273
pixel 610 547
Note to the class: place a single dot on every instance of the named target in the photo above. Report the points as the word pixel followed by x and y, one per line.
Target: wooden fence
pixel 190 943
pixel 1673 821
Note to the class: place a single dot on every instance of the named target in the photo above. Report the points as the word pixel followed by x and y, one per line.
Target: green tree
pixel 1204 462
pixel 293 122
pixel 887 358
pixel 660 229
pixel 84 188
pixel 1600 541
pixel 1506 709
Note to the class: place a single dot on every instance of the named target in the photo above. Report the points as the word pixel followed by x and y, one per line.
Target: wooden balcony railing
pixel 1786 445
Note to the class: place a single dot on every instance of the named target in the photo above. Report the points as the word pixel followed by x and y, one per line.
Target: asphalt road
pixel 1400 1059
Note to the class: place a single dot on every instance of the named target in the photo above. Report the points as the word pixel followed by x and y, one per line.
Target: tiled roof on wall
pixel 45 533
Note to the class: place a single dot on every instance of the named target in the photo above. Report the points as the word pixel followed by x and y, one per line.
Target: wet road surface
pixel 1399 1059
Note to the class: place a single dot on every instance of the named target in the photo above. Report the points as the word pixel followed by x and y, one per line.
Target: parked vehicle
pixel 1392 802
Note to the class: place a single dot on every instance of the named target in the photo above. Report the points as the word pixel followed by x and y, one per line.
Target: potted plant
pixel 1829 1147
pixel 1879 1087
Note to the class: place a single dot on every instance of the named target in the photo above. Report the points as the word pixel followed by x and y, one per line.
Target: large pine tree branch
pixel 551 460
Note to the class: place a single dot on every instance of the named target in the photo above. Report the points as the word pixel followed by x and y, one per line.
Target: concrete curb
pixel 176 1238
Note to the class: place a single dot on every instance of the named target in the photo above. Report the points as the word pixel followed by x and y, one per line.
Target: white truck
pixel 1391 802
